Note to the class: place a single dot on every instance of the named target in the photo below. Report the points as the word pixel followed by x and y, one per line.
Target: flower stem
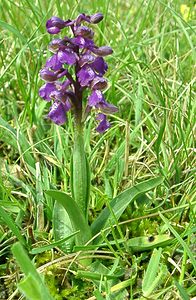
pixel 80 175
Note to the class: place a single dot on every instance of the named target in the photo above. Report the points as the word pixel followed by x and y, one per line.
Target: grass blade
pixel 180 240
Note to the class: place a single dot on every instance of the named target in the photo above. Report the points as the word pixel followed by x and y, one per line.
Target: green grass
pixel 152 77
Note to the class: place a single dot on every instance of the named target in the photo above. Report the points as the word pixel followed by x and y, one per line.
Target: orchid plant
pixel 76 69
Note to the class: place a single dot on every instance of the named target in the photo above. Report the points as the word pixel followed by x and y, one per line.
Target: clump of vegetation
pixel 133 235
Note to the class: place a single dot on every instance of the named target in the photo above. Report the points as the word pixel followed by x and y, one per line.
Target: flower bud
pixel 102 51
pixel 96 18
pixel 54 25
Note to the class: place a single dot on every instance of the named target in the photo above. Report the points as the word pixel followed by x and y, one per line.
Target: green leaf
pixel 12 225
pixel 80 173
pixel 143 243
pixel 12 29
pixel 17 140
pixel 62 227
pixel 52 245
pixel 180 240
pixel 31 288
pixel 148 283
pixel 30 271
pixel 120 203
pixel 77 219
pixel 182 291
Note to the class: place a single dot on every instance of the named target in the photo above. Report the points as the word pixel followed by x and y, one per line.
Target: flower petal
pixel 57 113
pixel 104 124
pixel 102 51
pixel 100 66
pixel 95 98
pixel 106 107
pixel 48 75
pixel 46 90
pixel 67 57
pixel 53 63
pixel 99 83
pixel 85 75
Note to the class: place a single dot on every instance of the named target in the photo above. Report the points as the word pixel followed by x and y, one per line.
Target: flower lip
pixel 95 98
pixel 104 124
pixel 57 113
pixel 53 63
pixel 99 65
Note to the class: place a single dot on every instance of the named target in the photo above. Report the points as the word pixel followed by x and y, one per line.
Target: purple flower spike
pixel 85 69
pixel 46 90
pixel 104 124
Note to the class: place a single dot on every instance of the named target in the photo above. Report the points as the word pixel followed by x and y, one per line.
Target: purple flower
pixel 54 45
pixel 58 112
pixel 67 57
pixel 95 98
pixel 48 75
pixel 99 66
pixel 54 25
pixel 102 51
pixel 86 58
pixel 104 124
pixel 46 90
pixel 84 31
pixel 85 75
pixel 96 18
pixel 85 69
pixel 53 63
pixel 98 101
pixel 82 42
pixel 99 83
